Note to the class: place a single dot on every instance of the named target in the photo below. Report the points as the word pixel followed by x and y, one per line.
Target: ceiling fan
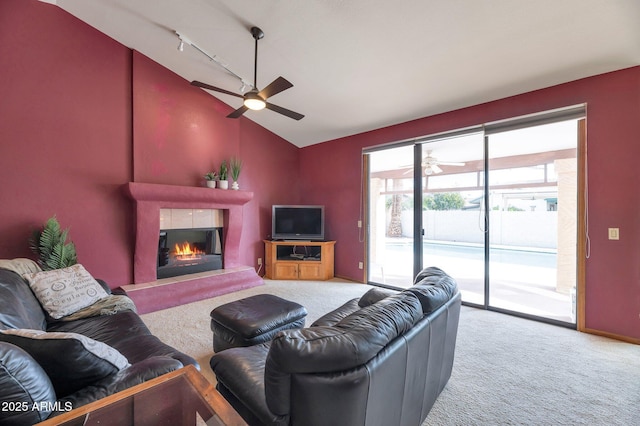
pixel 430 165
pixel 256 99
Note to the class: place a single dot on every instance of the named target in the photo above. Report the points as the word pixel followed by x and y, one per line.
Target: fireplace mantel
pixel 150 198
pixel 187 195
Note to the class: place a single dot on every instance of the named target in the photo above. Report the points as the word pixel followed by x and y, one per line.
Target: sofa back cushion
pixel 19 307
pixel 350 343
pixel 374 295
pixel 434 289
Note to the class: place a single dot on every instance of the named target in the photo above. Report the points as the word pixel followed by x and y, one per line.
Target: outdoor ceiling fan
pixel 256 99
pixel 430 164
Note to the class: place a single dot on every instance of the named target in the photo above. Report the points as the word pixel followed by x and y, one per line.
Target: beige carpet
pixel 188 329
pixel 507 370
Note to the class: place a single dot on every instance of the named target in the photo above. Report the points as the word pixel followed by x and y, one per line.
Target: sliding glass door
pixel 390 216
pixel 495 206
pixel 532 198
pixel 452 211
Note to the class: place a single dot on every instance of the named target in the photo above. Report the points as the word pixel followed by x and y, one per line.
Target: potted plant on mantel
pixel 223 183
pixel 211 179
pixel 236 168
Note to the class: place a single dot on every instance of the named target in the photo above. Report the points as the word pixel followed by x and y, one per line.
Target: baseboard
pixel 611 335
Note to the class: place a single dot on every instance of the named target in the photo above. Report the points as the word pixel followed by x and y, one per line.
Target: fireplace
pixel 187 208
pixel 189 251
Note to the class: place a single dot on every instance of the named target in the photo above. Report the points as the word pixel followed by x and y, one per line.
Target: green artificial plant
pixel 224 169
pixel 51 246
pixel 236 167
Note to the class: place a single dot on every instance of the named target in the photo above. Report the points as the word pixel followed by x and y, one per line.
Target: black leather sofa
pixel 64 378
pixel 382 359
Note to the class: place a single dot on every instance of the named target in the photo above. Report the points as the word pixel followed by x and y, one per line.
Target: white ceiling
pixel 359 65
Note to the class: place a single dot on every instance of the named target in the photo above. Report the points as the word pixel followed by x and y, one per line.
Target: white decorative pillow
pixel 71 360
pixel 64 291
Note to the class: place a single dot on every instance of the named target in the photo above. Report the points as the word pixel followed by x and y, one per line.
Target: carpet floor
pixel 507 370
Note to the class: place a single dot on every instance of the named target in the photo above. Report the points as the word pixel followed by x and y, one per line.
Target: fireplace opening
pixel 189 251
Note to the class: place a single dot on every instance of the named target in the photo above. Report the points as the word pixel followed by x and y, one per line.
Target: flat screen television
pixel 297 222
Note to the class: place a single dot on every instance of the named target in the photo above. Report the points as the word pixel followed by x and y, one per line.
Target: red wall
pixel 180 132
pixel 613 125
pixel 65 135
pixel 81 115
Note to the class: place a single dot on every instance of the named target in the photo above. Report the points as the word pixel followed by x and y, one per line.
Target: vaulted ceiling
pixel 359 65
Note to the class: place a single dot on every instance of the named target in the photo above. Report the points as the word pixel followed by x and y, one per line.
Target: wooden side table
pixel 181 397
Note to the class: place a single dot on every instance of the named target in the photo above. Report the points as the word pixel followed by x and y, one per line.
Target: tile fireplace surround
pixel 151 294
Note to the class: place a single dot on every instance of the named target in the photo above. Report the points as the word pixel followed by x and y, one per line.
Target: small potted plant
pixel 223 183
pixel 211 179
pixel 236 167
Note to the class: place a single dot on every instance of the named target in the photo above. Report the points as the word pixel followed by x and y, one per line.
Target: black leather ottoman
pixel 254 320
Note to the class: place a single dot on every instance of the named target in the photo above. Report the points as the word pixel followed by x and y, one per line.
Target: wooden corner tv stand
pixel 299 260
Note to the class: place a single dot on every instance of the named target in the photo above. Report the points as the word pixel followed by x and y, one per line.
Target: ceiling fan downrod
pixel 257 34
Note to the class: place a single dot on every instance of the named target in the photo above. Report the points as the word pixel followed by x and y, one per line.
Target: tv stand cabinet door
pixel 285 271
pixel 310 271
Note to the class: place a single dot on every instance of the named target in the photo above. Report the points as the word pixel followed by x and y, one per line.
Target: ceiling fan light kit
pixel 255 99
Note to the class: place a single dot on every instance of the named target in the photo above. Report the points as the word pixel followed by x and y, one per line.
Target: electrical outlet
pixel 360 226
pixel 360 265
pixel 614 233
pixel 259 261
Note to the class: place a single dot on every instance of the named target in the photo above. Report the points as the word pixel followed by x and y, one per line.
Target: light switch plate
pixel 614 233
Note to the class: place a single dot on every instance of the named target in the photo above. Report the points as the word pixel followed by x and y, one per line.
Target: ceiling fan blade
pixel 436 169
pixel 278 85
pixel 284 111
pixel 237 113
pixel 444 163
pixel 216 89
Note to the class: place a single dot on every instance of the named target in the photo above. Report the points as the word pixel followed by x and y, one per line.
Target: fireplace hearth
pixel 189 251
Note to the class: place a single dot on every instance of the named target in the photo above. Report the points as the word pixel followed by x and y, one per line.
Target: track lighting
pixel 184 40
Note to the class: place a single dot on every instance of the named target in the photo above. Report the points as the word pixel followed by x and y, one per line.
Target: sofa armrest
pixel 434 289
pixel 131 376
pixel 240 372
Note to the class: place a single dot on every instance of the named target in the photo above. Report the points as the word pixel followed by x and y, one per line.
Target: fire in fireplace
pixel 189 251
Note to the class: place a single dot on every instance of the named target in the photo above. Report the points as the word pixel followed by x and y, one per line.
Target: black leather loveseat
pixel 41 378
pixel 379 360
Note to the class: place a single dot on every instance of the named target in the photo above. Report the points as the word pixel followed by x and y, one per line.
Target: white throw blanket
pixel 20 266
